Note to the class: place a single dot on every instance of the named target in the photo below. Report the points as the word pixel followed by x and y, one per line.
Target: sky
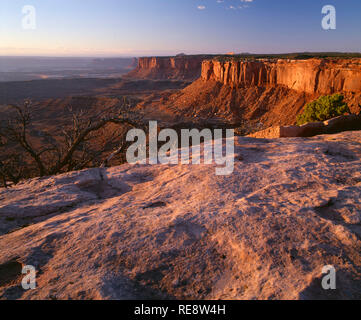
pixel 168 27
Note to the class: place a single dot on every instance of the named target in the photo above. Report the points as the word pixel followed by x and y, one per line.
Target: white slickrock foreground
pixel 291 207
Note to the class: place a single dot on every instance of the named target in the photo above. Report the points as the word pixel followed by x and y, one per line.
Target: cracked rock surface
pixel 291 207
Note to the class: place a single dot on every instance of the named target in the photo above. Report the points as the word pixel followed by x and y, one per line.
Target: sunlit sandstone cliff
pixel 180 67
pixel 268 91
pixel 313 76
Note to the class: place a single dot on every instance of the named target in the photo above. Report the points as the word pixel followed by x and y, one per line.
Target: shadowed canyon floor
pixel 266 231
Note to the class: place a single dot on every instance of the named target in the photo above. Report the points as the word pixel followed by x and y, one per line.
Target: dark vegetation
pixel 324 108
pixel 291 56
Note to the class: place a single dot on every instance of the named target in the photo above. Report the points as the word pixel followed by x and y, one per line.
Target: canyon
pixel 267 91
pixel 141 231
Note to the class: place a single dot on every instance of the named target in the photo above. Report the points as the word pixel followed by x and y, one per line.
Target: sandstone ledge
pixel 291 207
pixel 338 124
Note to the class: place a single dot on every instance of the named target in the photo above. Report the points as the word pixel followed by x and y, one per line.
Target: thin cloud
pixel 234 6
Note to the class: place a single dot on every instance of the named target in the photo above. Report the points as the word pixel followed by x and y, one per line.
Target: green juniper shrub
pixel 324 108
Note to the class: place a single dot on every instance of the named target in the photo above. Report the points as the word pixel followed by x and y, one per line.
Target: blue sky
pixel 165 27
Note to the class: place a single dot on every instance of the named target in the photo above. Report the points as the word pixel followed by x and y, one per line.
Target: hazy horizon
pixel 164 55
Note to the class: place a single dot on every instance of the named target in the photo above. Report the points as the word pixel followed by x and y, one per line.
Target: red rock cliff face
pixel 180 68
pixel 314 76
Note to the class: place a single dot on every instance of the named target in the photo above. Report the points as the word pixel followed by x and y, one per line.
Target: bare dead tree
pixel 17 131
pixel 121 148
pixel 3 173
pixel 72 150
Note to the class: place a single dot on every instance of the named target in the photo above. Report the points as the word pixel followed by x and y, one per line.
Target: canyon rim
pixel 181 157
